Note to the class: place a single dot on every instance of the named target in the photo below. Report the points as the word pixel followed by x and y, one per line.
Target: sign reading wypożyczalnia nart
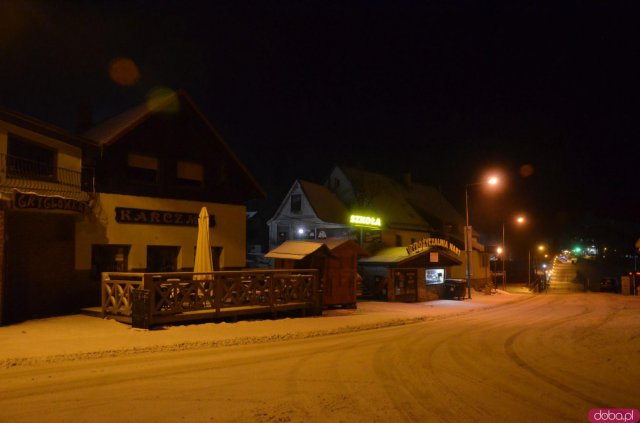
pixel 159 217
pixel 42 202
pixel 432 242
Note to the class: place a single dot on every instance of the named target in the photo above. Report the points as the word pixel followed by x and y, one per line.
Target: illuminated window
pixel 433 276
pixel 189 173
pixel 26 159
pixel 142 168
pixel 296 203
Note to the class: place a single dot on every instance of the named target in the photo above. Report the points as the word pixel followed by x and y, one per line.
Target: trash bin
pixel 455 289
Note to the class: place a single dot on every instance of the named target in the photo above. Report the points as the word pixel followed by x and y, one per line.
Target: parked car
pixel 608 284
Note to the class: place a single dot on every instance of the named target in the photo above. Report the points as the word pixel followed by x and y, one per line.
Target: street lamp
pixel 468 232
pixel 520 220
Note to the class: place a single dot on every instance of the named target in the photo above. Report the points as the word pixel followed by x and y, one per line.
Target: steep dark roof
pixel 113 129
pixel 433 203
pixel 44 128
pixel 325 203
pixel 386 198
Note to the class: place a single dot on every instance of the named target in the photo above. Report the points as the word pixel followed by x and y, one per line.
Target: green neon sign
pixel 365 221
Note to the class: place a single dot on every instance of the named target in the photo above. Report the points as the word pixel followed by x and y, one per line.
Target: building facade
pixel 44 192
pixel 388 219
pixel 124 196
pixel 308 212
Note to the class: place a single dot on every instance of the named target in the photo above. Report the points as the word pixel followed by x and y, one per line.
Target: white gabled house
pixel 414 222
pixel 309 211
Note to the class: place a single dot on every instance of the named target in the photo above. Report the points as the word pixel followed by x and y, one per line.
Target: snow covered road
pixel 547 358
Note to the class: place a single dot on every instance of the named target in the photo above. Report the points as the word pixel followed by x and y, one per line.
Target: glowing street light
pixel 468 232
pixel 520 219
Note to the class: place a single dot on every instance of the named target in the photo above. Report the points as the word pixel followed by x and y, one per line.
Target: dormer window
pixel 27 159
pixel 296 203
pixel 142 168
pixel 189 173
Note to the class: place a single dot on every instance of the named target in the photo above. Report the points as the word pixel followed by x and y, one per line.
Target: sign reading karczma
pixel 159 217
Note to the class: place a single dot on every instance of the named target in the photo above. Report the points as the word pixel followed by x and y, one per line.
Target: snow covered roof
pixel 399 256
pixel 387 255
pixel 333 243
pixel 432 202
pixel 296 250
pixel 385 197
pixel 325 203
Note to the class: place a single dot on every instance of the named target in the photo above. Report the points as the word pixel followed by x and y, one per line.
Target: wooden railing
pixel 180 296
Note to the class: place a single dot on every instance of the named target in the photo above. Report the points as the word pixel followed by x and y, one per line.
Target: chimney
pixel 406 178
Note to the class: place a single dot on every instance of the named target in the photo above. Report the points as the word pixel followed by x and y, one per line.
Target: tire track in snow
pixel 551 381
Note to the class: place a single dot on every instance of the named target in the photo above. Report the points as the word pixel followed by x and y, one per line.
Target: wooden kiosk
pixel 336 261
pixel 404 271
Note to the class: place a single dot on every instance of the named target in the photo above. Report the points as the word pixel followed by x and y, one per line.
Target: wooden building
pixel 124 196
pixel 45 191
pixel 409 274
pixel 336 261
pixel 378 213
pixel 309 212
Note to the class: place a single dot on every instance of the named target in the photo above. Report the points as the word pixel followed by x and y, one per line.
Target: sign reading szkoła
pixel 42 202
pixel 369 221
pixel 425 243
pixel 159 217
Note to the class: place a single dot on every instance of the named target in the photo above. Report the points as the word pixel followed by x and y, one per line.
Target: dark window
pixel 108 258
pixel 162 258
pixel 26 159
pixel 283 233
pixel 141 168
pixel 296 203
pixel 189 174
pixel 398 240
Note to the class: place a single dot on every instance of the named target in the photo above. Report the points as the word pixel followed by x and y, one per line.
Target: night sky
pixel 545 91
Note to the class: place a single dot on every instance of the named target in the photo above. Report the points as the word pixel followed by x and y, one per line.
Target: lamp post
pixel 468 231
pixel 500 252
pixel 540 248
pixel 519 220
pixel 504 275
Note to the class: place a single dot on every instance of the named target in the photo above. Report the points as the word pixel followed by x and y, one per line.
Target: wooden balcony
pixel 147 299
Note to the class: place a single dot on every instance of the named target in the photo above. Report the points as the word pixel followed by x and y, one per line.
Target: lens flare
pixel 163 99
pixel 123 71
pixel 526 170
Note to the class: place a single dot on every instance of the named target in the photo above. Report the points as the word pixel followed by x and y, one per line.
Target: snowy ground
pixel 78 336
pixel 499 358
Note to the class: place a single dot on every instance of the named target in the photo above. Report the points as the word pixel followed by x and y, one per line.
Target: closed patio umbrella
pixel 203 261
